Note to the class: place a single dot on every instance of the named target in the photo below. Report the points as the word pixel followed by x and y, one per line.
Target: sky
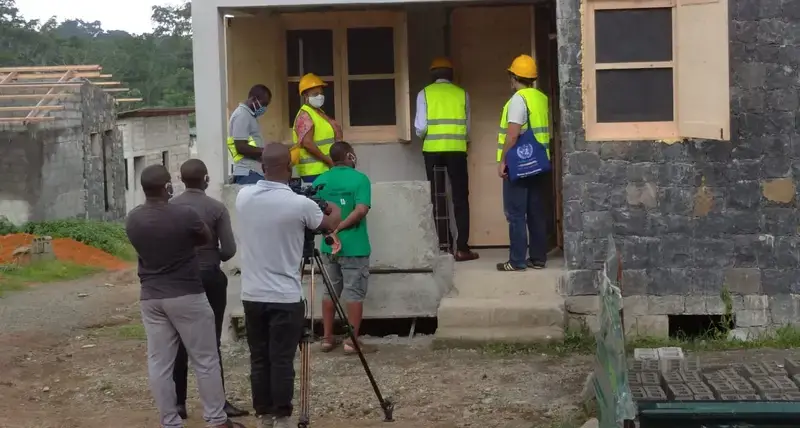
pixel 132 16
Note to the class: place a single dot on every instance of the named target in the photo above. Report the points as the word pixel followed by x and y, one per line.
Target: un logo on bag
pixel 524 151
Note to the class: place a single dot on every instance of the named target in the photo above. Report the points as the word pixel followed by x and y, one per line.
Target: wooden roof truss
pixel 45 86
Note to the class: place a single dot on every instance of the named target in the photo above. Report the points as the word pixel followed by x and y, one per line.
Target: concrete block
pixel 699 388
pixel 773 396
pixel 654 393
pixel 752 318
pixel 756 370
pixel 792 366
pixel 742 386
pixel 517 312
pixel 678 390
pixel 650 378
pixel 792 395
pixel 644 365
pixel 640 354
pixel 468 337
pixel 578 322
pixel 666 305
pixel 784 383
pixel 634 378
pixel 784 309
pixel 695 305
pixel 582 305
pixel 670 364
pixel 774 368
pixel 714 377
pixel 756 302
pixel 638 393
pixel 745 281
pixel 721 387
pixel 691 376
pixel 729 397
pixel 670 352
pixel 749 397
pixel 652 326
pixel 704 397
pixel 635 305
pixel 672 377
pixel 765 385
pixel 401 227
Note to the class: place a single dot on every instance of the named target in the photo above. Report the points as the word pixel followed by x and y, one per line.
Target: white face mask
pixel 317 100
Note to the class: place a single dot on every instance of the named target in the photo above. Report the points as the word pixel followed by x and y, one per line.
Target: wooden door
pixel 484 42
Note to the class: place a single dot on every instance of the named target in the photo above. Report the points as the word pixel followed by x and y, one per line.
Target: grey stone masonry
pixel 646 193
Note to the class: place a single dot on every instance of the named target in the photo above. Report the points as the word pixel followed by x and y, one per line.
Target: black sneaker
pixel 535 264
pixel 508 267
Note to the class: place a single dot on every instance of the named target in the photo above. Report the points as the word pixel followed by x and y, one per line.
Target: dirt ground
pixel 72 355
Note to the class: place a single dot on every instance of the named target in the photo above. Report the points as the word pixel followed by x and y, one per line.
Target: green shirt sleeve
pixel 364 192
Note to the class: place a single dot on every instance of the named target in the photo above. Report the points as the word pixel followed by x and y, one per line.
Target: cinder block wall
pixel 677 262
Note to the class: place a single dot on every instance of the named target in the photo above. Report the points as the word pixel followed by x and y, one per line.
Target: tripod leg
pixel 304 418
pixel 386 404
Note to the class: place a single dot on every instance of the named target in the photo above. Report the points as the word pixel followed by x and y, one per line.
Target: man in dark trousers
pixel 442 121
pixel 173 302
pixel 221 248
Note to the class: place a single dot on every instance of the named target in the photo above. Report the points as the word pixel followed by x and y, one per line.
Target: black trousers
pixel 274 331
pixel 216 284
pixel 456 164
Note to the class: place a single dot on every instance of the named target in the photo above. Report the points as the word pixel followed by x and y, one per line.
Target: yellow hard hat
pixel 441 62
pixel 310 81
pixel 524 66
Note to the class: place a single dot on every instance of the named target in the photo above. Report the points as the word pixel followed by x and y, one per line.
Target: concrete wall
pixel 693 218
pixel 145 139
pixel 409 277
pixel 49 170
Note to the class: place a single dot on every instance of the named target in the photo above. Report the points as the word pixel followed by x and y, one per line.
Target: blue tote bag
pixel 527 158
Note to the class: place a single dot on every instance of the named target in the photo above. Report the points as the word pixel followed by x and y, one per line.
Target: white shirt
pixel 517 110
pixel 272 220
pixel 421 118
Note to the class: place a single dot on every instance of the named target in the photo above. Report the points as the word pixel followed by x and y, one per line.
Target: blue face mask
pixel 260 110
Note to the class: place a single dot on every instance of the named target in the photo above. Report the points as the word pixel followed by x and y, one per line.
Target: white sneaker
pixel 282 423
pixel 266 422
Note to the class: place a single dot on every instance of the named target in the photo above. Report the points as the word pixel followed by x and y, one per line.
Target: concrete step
pixel 459 337
pixel 487 284
pixel 519 311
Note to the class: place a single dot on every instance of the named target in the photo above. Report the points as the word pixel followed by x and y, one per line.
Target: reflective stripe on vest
pixel 538 118
pixel 324 137
pixel 235 156
pixel 446 106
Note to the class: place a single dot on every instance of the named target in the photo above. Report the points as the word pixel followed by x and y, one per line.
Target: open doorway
pixel 481 55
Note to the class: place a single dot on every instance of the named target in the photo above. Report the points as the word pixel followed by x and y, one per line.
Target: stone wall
pixel 693 218
pixel 52 170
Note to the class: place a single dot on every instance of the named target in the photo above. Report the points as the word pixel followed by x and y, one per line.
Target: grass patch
pixel 582 342
pixel 105 235
pixel 133 331
pixel 16 277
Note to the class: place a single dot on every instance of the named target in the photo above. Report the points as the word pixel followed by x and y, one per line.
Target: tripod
pixel 315 260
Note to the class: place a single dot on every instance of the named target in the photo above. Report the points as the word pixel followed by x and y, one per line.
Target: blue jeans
pixel 251 178
pixel 523 206
pixel 309 178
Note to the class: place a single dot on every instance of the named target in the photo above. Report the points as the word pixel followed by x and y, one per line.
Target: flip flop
pixel 349 349
pixel 328 345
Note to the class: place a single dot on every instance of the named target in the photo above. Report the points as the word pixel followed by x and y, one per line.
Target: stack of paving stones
pixel 666 374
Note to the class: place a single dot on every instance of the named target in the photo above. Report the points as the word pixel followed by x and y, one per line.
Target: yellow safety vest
pixel 447 118
pixel 538 119
pixel 324 137
pixel 235 153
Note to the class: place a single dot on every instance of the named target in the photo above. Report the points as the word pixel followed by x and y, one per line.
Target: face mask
pixel 317 100
pixel 169 189
pixel 353 158
pixel 206 180
pixel 259 109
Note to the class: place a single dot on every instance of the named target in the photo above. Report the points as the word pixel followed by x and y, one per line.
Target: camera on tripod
pixel 310 192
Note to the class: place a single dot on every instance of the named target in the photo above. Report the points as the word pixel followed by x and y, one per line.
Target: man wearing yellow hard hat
pixel 442 121
pixel 313 131
pixel 244 136
pixel 523 158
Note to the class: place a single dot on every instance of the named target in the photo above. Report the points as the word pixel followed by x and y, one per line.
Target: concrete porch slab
pixel 490 306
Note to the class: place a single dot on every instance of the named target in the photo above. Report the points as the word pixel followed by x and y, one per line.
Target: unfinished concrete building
pixel 153 136
pixel 60 151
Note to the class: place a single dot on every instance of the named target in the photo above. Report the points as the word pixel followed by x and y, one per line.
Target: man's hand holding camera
pixel 333 210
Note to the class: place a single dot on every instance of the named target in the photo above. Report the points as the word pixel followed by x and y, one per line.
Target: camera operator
pixel 173 302
pixel 272 221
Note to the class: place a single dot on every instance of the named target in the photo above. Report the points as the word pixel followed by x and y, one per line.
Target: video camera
pixel 310 192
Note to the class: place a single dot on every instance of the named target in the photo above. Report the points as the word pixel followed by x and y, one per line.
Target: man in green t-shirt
pixel 349 268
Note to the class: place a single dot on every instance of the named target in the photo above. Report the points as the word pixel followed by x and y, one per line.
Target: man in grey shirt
pixel 174 305
pixel 244 136
pixel 220 248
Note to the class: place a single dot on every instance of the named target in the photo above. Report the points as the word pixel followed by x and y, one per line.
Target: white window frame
pixel 339 22
pixel 701 88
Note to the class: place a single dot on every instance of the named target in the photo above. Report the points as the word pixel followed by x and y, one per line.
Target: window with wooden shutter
pixel 644 72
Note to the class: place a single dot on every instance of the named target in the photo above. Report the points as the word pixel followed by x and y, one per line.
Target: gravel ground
pixel 70 361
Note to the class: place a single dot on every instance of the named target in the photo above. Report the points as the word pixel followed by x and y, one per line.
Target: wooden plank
pixel 32 96
pixel 55 68
pixel 25 120
pixel 39 85
pixel 105 83
pixel 9 77
pixel 26 108
pixel 116 89
pixel 129 100
pixel 35 76
pixel 39 106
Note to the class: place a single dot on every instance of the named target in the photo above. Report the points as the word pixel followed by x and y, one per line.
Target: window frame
pixel 339 22
pixel 625 130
